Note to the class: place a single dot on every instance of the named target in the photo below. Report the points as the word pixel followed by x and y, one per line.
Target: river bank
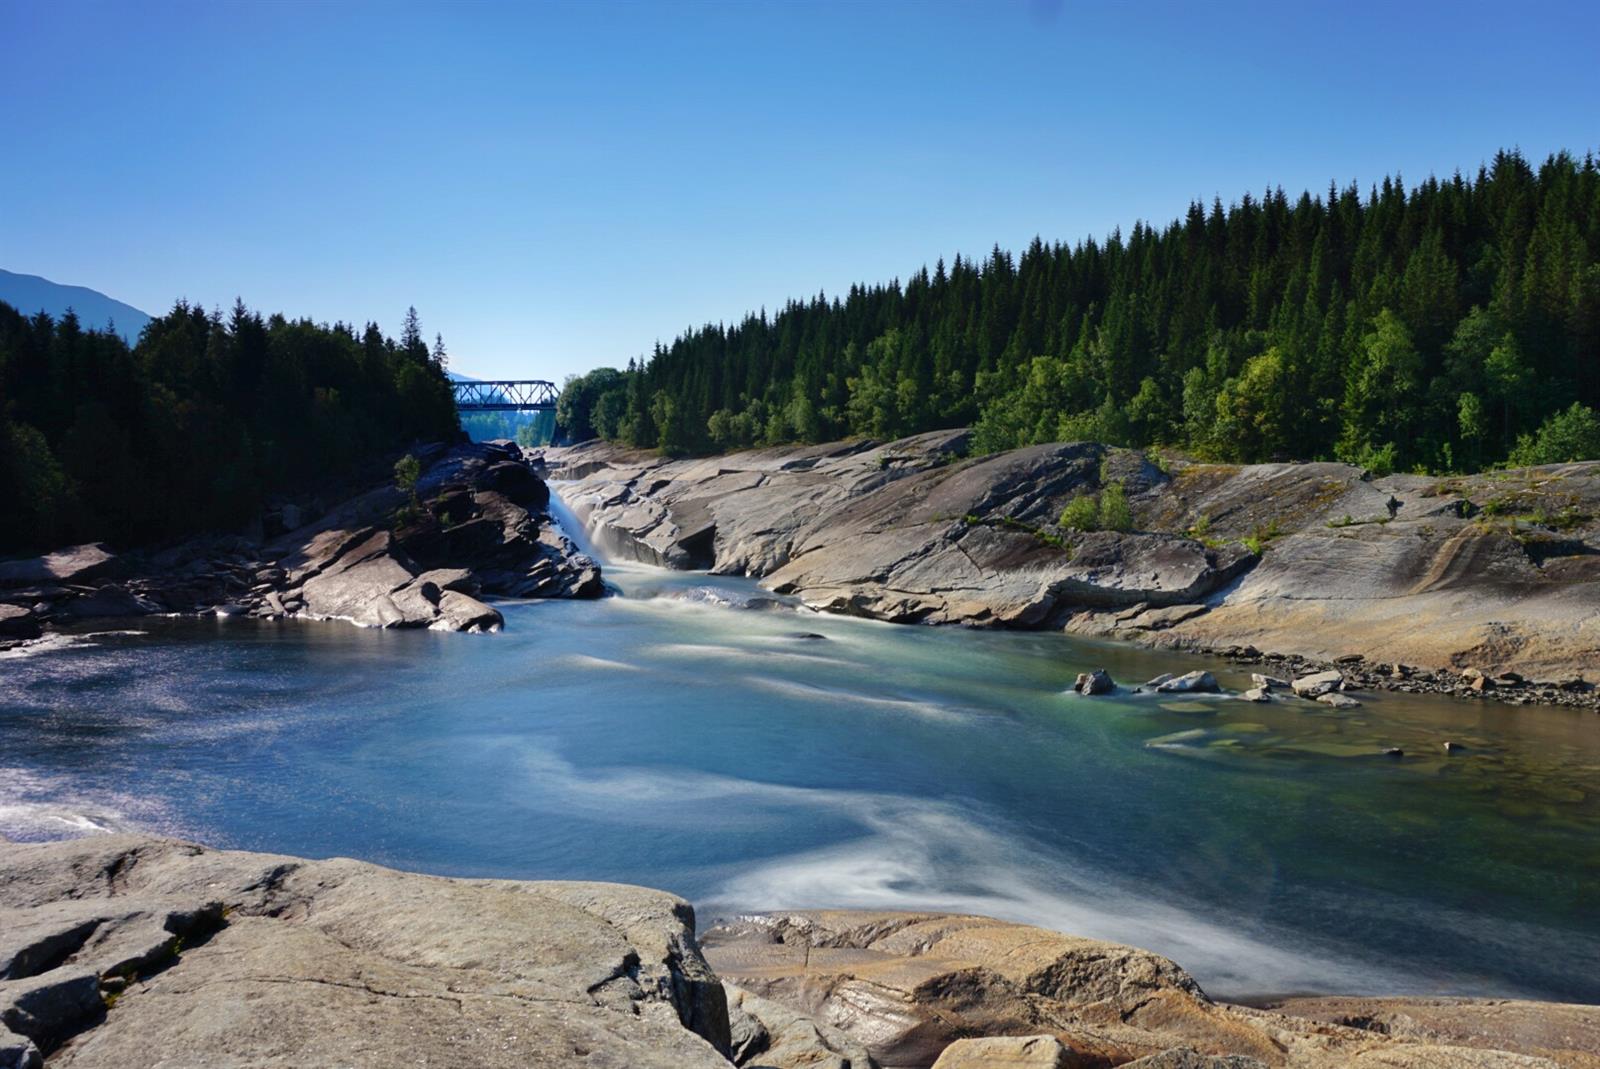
pixel 1483 587
pixel 477 525
pixel 131 952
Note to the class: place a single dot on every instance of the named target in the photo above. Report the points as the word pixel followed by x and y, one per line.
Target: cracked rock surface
pixel 127 951
pixel 480 526
pixel 1321 561
pixel 908 986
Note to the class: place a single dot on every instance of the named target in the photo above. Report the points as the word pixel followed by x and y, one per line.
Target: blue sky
pixel 558 186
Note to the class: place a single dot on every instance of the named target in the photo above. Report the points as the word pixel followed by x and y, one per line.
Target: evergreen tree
pixel 1342 324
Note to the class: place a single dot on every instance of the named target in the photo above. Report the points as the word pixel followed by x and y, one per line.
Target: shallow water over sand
pixel 730 755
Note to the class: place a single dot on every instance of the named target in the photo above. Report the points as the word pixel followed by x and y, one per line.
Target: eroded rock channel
pixel 1406 581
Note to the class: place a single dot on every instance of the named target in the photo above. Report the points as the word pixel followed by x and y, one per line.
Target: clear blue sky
pixel 557 187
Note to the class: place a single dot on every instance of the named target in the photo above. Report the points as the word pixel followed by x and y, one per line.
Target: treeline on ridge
pixel 1450 326
pixel 194 428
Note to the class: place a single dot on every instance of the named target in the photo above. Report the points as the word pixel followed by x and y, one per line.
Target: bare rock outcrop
pixel 1499 572
pixel 480 527
pixel 915 989
pixel 130 952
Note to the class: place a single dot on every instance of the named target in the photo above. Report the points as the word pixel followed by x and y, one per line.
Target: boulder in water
pixel 1318 683
pixel 1196 682
pixel 1097 682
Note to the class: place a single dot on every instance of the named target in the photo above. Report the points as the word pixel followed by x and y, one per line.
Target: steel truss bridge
pixel 506 395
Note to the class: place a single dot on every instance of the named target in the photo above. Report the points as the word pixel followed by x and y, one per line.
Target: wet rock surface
pixel 1311 563
pixel 481 527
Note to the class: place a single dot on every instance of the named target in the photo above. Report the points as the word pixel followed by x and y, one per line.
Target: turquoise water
pixel 660 737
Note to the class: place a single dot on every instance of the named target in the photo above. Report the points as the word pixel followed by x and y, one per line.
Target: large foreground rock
pixel 909 986
pixel 125 952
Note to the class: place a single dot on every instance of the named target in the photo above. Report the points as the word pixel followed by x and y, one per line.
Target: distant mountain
pixel 30 293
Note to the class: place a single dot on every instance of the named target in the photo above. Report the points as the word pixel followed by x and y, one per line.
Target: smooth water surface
pixel 730 755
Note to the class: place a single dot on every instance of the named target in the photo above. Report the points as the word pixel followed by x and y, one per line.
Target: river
pixel 754 758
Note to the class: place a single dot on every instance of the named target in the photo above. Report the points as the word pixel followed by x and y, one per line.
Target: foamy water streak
pixel 916 854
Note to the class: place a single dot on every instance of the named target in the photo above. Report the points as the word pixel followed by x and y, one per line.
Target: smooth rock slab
pixel 74 564
pixel 341 963
pixel 1197 682
pixel 1007 1052
pixel 1318 683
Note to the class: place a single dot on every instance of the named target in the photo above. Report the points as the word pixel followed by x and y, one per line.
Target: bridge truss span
pixel 506 395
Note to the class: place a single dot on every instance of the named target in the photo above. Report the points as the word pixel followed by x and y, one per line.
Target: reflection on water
pixel 663 737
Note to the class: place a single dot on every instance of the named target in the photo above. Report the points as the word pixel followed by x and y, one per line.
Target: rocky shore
pixel 480 527
pixel 130 952
pixel 1405 582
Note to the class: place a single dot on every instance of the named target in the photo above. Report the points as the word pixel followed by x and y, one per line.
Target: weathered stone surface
pixel 1318 683
pixel 1337 700
pixel 909 986
pixel 910 531
pixel 902 531
pixel 482 528
pixel 1185 1058
pixel 767 1035
pixel 287 963
pixel 1566 1034
pixel 462 612
pixel 75 564
pixel 1000 1052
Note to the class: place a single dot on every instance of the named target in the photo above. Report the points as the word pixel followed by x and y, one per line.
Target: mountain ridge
pixel 29 294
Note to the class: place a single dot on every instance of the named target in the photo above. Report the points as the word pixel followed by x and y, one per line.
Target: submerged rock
pixel 1338 700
